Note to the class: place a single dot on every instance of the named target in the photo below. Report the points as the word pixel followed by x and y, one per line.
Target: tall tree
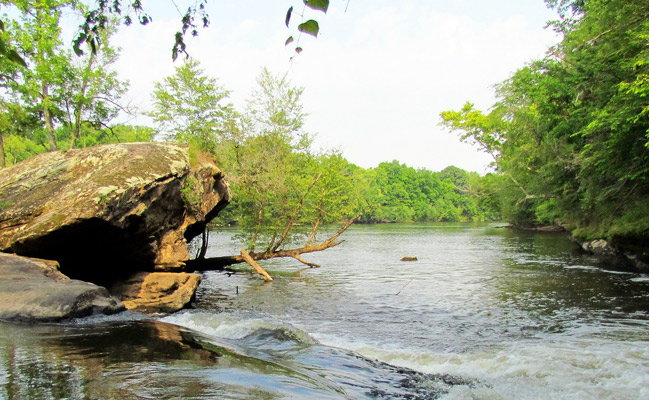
pixel 576 123
pixel 190 107
pixel 93 93
pixel 37 34
pixel 69 92
pixel 283 192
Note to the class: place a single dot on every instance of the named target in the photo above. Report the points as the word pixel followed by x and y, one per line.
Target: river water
pixel 485 313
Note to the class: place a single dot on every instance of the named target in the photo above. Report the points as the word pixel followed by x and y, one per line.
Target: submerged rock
pixel 33 290
pixel 621 252
pixel 106 211
pixel 599 247
pixel 158 291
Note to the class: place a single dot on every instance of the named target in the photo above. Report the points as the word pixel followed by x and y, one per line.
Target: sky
pixel 376 78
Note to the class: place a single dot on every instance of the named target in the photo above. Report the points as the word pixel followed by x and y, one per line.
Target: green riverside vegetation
pixel 569 133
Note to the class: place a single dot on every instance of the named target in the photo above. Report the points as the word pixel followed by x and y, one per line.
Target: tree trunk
pixel 45 95
pixel 45 98
pixel 76 132
pixel 3 162
pixel 204 244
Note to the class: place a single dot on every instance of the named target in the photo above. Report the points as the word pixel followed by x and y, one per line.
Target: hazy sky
pixel 375 79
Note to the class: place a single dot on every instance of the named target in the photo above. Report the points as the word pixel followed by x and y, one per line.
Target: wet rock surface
pixel 157 292
pixel 34 290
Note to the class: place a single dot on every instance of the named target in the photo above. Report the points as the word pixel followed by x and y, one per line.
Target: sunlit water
pixel 485 313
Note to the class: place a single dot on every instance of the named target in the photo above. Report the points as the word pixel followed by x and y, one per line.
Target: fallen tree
pixel 220 263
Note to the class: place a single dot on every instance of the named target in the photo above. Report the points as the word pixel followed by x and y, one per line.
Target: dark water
pixel 485 313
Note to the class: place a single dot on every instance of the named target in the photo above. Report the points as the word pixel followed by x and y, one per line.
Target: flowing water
pixel 485 313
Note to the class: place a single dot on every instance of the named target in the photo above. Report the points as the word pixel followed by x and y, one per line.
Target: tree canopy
pixel 572 130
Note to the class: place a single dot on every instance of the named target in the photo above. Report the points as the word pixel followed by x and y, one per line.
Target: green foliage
pixel 190 193
pixel 574 130
pixel 21 146
pixel 7 53
pixel 311 26
pixel 402 194
pixel 58 91
pixel 188 107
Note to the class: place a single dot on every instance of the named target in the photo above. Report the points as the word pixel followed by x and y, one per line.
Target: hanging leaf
pixel 310 27
pixel 322 5
pixel 298 50
pixel 13 56
pixel 289 41
pixel 2 25
pixel 77 44
pixel 288 15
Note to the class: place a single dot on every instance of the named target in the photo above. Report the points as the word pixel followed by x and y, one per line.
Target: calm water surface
pixel 485 313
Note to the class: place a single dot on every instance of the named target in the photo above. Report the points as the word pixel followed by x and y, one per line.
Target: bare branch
pixel 303 261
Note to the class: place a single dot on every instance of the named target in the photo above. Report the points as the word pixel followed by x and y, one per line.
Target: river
pixel 485 313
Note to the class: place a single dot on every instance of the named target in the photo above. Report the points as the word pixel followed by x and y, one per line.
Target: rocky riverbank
pixel 109 215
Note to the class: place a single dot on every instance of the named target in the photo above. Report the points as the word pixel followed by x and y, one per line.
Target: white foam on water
pixel 588 368
pixel 584 267
pixel 231 325
pixel 608 271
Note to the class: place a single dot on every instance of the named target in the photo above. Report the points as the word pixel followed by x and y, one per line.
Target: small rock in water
pixel 409 258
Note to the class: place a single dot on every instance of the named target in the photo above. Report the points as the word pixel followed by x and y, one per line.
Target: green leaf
pixel 2 25
pixel 298 50
pixel 322 5
pixel 13 56
pixel 289 41
pixel 288 15
pixel 310 27
pixel 3 47
pixel 77 44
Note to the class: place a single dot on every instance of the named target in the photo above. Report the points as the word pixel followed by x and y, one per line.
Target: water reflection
pixel 555 287
pixel 152 359
pixel 520 311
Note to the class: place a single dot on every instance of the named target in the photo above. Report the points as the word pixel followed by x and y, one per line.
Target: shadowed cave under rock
pixel 93 250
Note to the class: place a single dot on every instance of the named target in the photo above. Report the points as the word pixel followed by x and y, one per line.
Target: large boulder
pixel 33 290
pixel 106 211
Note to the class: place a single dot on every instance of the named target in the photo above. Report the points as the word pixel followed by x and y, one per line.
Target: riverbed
pixel 485 313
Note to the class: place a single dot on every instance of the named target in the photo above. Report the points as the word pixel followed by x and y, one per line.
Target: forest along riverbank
pixel 522 312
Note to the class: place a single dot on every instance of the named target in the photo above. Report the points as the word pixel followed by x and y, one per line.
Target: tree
pixel 188 107
pixel 38 35
pixel 93 93
pixel 573 129
pixel 72 95
pixel 283 193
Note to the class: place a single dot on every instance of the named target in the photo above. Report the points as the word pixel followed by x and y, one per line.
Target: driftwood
pixel 247 258
pixel 219 263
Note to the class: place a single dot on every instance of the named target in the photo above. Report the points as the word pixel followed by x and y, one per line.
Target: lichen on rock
pixel 107 211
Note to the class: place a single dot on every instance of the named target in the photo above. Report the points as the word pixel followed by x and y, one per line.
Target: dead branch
pixel 309 264
pixel 246 257
pixel 216 263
